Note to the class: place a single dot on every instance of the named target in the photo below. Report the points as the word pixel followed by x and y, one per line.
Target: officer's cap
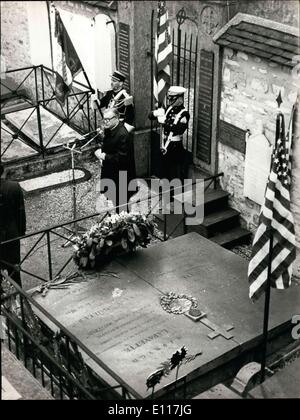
pixel 176 91
pixel 117 75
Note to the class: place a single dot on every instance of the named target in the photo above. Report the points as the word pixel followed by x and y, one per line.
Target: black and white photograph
pixel 150 203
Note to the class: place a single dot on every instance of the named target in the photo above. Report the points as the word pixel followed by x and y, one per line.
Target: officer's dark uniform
pixel 175 124
pixel 177 119
pixel 117 100
pixel 126 112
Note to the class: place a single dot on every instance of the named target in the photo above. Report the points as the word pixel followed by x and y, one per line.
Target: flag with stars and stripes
pixel 276 219
pixel 163 55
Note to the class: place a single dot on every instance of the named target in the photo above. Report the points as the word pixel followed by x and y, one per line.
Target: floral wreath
pixel 178 303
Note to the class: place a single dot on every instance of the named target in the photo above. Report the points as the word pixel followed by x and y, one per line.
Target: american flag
pixel 163 55
pixel 276 219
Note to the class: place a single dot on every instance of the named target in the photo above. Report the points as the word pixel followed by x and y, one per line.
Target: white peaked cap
pixel 176 90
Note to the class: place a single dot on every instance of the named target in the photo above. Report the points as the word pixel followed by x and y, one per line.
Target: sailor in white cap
pixel 118 98
pixel 175 122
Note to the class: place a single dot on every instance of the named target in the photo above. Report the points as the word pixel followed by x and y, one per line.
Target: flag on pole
pixel 68 63
pixel 275 219
pixel 163 55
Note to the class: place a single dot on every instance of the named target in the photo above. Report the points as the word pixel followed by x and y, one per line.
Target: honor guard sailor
pixel 119 99
pixel 175 122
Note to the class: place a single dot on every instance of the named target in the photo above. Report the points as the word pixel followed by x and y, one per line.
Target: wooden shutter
pixel 124 53
pixel 205 106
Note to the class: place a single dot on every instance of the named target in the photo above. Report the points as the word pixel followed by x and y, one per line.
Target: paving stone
pixel 21 384
pixel 219 392
pixel 283 384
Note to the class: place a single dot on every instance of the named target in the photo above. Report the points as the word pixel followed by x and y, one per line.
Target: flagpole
pixel 266 310
pixel 152 94
pixel 278 134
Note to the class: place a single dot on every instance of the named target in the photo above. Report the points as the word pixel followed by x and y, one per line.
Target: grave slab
pixel 121 321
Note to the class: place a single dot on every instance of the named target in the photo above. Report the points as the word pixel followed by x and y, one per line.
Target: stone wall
pixel 250 86
pixel 15 47
pixel 283 11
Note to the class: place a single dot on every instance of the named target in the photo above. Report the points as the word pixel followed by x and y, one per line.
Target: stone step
pixel 218 221
pixel 218 392
pixel 233 237
pixel 213 199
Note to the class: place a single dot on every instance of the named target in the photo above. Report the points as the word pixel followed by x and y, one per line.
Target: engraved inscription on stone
pixel 232 136
pixel 209 20
pixel 124 53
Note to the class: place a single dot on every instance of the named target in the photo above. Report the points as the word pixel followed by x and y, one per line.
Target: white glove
pixel 100 155
pixel 129 127
pixel 128 101
pixel 161 120
pixel 160 115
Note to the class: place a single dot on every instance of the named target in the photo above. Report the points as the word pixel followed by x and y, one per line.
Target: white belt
pixel 175 138
pixel 170 139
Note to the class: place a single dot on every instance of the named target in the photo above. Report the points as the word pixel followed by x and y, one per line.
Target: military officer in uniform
pixel 118 98
pixel 175 122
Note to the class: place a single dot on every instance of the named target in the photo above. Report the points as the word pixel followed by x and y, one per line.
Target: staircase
pixel 221 223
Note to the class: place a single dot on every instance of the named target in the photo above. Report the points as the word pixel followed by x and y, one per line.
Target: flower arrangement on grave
pixel 116 234
pixel 175 361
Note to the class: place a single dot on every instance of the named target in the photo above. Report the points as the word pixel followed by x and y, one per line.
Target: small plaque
pixel 232 136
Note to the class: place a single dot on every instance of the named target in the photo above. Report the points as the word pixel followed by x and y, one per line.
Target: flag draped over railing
pixel 276 219
pixel 68 63
pixel 162 54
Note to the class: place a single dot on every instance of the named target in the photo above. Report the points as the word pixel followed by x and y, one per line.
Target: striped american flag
pixel 163 55
pixel 276 219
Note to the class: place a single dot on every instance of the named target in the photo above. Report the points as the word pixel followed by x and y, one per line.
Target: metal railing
pixel 41 94
pixel 65 365
pixel 63 378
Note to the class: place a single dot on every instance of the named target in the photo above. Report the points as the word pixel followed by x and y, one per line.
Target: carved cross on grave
pixel 216 330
